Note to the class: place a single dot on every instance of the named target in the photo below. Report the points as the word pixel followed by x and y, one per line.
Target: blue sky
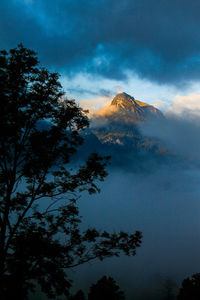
pixel 147 48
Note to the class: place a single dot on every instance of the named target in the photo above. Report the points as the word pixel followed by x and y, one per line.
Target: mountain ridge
pixel 132 110
pixel 121 126
pixel 118 134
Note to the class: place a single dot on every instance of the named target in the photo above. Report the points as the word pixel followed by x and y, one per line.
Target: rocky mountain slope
pixel 117 132
pixel 132 110
pixel 121 123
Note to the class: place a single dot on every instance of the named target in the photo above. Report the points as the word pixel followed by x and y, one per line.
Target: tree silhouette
pixel 106 289
pixel 78 296
pixel 190 288
pixel 40 236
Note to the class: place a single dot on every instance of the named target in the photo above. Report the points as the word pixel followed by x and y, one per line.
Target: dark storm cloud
pixel 159 40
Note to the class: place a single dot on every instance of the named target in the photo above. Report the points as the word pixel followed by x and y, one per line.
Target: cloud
pixel 93 104
pixel 164 205
pixel 106 110
pixel 158 40
pixel 79 90
pixel 179 133
pixel 160 104
pixel 189 104
pixel 162 202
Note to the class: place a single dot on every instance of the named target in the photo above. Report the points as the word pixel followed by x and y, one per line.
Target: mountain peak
pixel 133 110
pixel 125 96
pixel 122 100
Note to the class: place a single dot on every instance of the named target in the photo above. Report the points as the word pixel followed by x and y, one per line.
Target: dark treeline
pixel 107 289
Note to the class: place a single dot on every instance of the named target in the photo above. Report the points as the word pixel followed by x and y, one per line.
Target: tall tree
pixel 40 235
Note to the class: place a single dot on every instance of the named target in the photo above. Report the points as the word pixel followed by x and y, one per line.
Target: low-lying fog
pixel 163 203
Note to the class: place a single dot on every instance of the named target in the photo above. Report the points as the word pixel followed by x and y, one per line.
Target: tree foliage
pixel 190 288
pixel 40 235
pixel 107 289
pixel 78 296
